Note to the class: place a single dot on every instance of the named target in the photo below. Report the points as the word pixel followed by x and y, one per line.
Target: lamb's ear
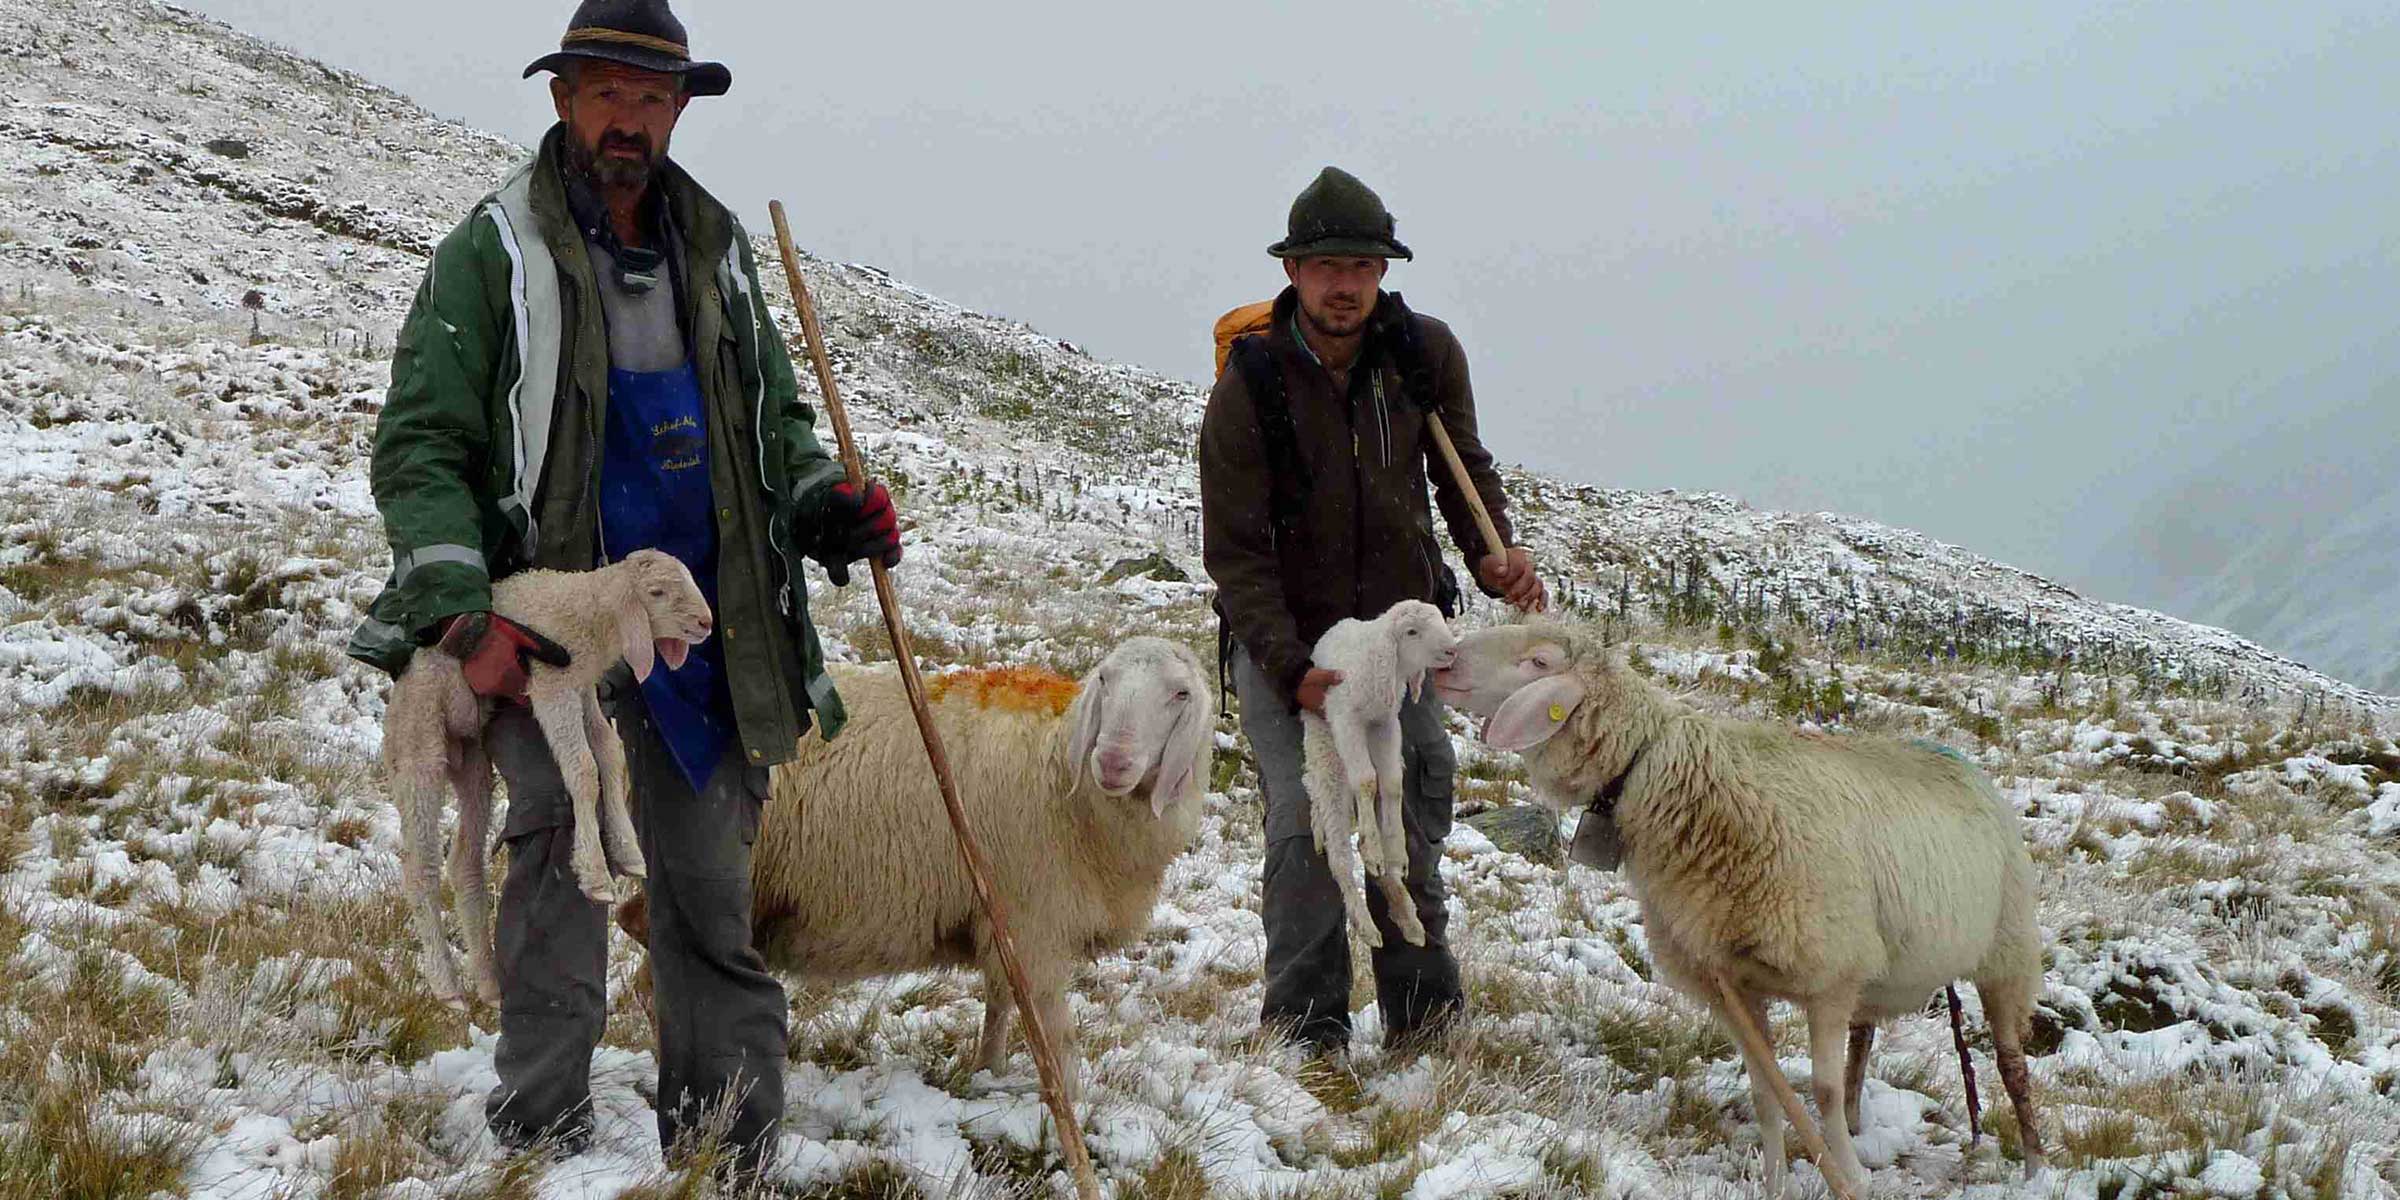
pixel 633 628
pixel 1186 754
pixel 1538 710
pixel 1084 731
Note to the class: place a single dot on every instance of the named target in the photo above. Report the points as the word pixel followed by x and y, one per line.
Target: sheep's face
pixel 1142 717
pixel 1491 665
pixel 663 612
pixel 1421 641
pixel 1529 679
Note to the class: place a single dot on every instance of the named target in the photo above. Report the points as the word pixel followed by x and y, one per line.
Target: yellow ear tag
pixel 1558 712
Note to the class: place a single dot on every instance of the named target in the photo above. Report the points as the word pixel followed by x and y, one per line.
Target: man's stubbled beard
pixel 605 173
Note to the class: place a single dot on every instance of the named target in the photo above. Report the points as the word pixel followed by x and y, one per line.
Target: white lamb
pixel 640 609
pixel 1081 794
pixel 1852 876
pixel 1353 772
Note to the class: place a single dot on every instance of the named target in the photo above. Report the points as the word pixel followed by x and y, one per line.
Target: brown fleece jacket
pixel 1364 540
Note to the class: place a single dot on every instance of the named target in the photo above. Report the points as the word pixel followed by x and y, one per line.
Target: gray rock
pixel 1527 829
pixel 1154 566
pixel 228 147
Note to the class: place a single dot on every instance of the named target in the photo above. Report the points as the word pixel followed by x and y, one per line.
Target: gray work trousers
pixel 720 1015
pixel 1308 932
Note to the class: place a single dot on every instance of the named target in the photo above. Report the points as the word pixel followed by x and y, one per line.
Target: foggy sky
pixel 1999 276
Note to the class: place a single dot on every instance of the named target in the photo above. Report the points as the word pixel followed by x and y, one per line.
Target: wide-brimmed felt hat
pixel 637 33
pixel 1338 216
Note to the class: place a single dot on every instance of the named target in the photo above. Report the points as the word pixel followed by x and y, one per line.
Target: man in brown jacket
pixel 1314 460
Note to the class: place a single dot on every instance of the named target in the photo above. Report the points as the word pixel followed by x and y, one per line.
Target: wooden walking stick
pixel 1466 486
pixel 1755 1048
pixel 1037 1037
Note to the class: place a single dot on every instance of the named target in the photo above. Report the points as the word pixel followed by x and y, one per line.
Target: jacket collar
pixel 1283 332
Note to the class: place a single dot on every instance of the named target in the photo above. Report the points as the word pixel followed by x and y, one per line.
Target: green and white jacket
pixel 487 454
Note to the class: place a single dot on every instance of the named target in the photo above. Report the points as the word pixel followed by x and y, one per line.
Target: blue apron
pixel 655 495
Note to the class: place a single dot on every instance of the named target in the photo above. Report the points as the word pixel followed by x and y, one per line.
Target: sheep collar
pixel 1598 843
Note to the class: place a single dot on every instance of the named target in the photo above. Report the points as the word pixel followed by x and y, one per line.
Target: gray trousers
pixel 720 1015
pixel 1308 933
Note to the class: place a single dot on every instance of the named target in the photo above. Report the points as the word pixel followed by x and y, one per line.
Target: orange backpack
pixel 1242 322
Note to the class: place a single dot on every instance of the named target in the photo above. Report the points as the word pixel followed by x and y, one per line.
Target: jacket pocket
pixel 1433 764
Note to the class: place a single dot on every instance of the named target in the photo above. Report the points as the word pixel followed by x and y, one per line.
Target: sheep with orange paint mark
pixel 1081 793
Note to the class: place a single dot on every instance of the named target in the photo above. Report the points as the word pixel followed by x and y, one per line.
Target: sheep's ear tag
pixel 1535 714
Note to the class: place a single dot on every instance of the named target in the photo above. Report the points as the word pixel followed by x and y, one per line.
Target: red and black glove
pixel 492 651
pixel 856 525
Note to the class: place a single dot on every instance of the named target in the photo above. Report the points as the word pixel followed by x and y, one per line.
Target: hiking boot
pixel 560 1141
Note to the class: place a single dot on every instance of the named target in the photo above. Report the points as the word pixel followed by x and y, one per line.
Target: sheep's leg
pixel 1402 906
pixel 1828 1038
pixel 1330 814
pixel 560 714
pixel 1321 778
pixel 1770 1112
pixel 2008 1006
pixel 1341 858
pixel 1862 1044
pixel 470 855
pixel 1351 744
pixel 1383 739
pixel 617 841
pixel 991 1051
pixel 417 793
pixel 1050 999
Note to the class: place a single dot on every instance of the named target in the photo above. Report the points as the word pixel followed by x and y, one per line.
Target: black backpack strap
pixel 1396 331
pixel 1287 485
pixel 1287 482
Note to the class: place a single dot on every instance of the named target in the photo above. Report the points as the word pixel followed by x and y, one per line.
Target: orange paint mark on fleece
pixel 1018 689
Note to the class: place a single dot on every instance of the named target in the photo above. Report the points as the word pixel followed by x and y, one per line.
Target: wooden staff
pixel 1466 486
pixel 1761 1055
pixel 1045 1058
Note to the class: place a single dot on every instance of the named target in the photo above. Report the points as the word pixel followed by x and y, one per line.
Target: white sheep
pixel 639 609
pixel 1353 773
pixel 1081 794
pixel 1852 876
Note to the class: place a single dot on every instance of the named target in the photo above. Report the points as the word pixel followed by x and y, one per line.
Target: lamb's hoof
pixel 487 989
pixel 1370 855
pixel 595 885
pixel 630 865
pixel 441 978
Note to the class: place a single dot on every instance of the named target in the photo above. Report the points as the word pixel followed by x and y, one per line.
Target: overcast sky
pixel 1997 275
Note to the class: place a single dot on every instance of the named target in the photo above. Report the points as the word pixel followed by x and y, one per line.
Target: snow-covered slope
pixel 2288 539
pixel 208 985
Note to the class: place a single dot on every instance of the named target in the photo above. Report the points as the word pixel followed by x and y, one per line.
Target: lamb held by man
pixel 1082 794
pixel 1352 753
pixel 640 609
pixel 1852 876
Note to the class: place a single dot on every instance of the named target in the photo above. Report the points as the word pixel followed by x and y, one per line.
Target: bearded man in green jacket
pixel 589 369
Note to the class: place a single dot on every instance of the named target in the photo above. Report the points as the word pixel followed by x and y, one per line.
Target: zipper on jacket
pixel 1358 506
pixel 569 318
